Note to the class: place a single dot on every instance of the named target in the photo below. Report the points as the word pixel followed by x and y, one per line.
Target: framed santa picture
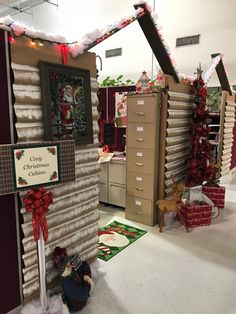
pixel 66 101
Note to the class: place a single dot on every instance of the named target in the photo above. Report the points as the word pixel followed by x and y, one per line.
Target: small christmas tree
pixel 199 168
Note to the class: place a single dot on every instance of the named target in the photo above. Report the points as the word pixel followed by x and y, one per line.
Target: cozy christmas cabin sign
pixel 35 166
pixel 25 166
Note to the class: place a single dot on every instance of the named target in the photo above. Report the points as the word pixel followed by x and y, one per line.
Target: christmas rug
pixel 115 237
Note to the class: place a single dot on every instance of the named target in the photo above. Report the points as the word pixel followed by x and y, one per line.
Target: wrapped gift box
pixel 196 215
pixel 216 194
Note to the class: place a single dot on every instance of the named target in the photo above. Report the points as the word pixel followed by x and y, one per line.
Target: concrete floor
pixel 173 272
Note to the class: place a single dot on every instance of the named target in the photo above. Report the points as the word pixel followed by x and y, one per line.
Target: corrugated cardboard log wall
pixel 177 108
pixel 72 218
pixel 227 121
pixel 179 123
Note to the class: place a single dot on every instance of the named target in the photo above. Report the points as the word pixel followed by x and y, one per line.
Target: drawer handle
pixel 118 185
pixel 139 189
pixel 140 113
pixel 139 164
pixel 139 213
pixel 139 139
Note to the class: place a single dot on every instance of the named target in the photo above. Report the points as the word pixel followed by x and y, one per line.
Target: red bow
pixel 37 201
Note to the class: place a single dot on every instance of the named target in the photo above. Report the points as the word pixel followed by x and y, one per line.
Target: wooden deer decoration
pixel 172 205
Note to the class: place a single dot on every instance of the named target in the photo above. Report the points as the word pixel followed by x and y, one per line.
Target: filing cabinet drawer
pixel 117 172
pixel 140 135
pixel 140 160
pixel 139 210
pixel 140 185
pixel 103 191
pixel 117 194
pixel 104 171
pixel 141 109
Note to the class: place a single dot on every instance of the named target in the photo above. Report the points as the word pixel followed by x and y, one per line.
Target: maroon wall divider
pixel 108 95
pixel 9 270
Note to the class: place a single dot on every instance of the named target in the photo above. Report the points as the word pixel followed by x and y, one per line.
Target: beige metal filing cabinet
pixel 142 140
pixel 117 182
pixel 103 183
pixel 112 182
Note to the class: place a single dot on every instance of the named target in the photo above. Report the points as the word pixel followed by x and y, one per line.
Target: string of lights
pixel 76 47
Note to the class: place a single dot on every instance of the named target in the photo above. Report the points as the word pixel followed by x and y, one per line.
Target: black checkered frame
pixel 66 163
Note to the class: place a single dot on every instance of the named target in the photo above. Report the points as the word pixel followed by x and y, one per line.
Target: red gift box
pixel 216 194
pixel 196 215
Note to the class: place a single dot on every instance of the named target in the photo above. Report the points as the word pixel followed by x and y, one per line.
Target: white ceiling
pixel 7 2
pixel 12 7
pixel 213 19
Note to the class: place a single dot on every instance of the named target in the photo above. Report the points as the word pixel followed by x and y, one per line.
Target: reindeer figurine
pixel 172 205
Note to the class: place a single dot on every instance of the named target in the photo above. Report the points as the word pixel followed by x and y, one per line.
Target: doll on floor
pixel 75 278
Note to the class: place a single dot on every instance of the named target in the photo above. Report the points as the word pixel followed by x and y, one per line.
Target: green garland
pixel 213 101
pixel 108 81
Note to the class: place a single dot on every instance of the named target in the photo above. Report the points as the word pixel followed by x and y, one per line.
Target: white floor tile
pixel 171 273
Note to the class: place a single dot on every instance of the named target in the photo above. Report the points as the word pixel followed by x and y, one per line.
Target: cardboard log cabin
pixel 21 120
pixel 227 120
pixel 176 110
pixel 73 216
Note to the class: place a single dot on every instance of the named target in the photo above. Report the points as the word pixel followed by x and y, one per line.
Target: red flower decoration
pixel 198 169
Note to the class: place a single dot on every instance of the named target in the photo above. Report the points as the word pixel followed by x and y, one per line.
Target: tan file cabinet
pixel 142 135
pixel 113 182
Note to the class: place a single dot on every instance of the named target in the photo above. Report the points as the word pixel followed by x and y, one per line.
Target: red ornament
pixel 12 39
pixel 198 169
pixel 37 202
pixel 202 92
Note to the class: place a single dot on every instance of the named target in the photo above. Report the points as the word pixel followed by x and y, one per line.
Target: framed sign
pixel 36 166
pixel 27 165
pixel 66 100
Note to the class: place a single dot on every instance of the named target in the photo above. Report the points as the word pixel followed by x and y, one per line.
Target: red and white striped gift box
pixel 196 215
pixel 216 194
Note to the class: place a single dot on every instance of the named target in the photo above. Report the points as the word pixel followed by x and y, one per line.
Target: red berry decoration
pixel 198 167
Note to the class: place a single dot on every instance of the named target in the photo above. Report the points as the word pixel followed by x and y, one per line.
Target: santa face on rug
pixel 112 239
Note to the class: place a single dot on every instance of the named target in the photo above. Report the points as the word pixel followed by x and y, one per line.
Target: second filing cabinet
pixel 142 140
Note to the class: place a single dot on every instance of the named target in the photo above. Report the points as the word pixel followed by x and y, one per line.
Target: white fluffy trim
pixel 77 49
pixel 55 304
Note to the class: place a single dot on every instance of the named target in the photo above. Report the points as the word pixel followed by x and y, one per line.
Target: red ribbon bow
pixel 37 202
